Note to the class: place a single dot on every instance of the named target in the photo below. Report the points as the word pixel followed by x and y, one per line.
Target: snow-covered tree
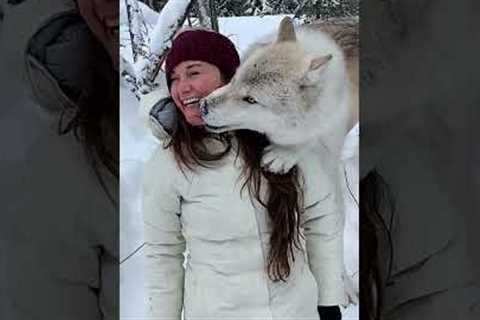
pixel 227 8
pixel 201 7
pixel 147 62
pixel 156 5
pixel 310 9
pixel 149 49
pixel 324 9
pixel 137 30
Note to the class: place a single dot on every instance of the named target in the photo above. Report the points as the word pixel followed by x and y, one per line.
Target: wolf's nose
pixel 203 108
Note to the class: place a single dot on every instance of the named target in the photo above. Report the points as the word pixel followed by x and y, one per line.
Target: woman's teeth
pixel 190 101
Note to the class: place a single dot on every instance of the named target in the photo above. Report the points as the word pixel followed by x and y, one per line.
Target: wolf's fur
pixel 301 91
pixel 301 94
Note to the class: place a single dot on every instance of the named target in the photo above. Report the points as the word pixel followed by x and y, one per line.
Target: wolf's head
pixel 273 92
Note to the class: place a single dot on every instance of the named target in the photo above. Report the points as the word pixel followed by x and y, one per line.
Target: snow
pixel 150 17
pixel 243 31
pixel 137 143
pixel 162 29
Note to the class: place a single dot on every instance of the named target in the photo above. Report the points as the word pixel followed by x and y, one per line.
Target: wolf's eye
pixel 249 99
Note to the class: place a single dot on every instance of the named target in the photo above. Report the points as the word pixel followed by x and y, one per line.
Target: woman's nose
pixel 185 86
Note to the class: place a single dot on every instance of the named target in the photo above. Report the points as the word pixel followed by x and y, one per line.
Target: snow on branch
pixel 127 73
pixel 203 15
pixel 137 29
pixel 171 18
pixel 299 9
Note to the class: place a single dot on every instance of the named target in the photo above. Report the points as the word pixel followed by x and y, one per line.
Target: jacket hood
pixel 50 54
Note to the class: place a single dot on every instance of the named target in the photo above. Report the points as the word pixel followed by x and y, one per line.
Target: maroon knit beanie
pixel 203 45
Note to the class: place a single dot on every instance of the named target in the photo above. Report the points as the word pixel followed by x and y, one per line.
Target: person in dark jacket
pixel 58 236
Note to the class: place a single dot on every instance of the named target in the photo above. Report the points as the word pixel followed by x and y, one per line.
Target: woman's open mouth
pixel 190 102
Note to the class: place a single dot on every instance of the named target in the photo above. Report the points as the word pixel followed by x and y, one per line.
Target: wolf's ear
pixel 318 62
pixel 314 69
pixel 286 31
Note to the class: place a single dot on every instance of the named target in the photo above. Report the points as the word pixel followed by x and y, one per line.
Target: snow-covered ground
pixel 137 143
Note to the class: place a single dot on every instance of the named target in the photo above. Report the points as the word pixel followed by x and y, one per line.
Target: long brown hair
pixel 377 205
pixel 284 196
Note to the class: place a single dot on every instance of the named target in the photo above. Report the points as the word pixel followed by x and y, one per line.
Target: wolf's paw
pixel 279 160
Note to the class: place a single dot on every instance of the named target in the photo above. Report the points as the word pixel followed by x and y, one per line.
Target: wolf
pixel 295 90
pixel 300 91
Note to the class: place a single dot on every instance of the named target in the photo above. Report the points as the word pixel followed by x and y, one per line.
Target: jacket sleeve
pixel 323 224
pixel 164 242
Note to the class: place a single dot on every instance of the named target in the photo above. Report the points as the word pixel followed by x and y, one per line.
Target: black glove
pixel 329 312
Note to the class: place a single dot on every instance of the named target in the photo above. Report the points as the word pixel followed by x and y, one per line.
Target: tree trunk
pixel 213 14
pixel 203 14
pixel 128 6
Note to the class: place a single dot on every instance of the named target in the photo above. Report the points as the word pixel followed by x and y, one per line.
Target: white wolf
pixel 297 91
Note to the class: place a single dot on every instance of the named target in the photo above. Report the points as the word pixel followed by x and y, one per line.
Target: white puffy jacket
pixel 226 238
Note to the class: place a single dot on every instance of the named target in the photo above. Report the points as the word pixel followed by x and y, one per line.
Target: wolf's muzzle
pixel 203 108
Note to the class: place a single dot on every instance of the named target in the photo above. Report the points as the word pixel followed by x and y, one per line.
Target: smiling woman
pixel 192 72
pixel 243 226
pixel 191 81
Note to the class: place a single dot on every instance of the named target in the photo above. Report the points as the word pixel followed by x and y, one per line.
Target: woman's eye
pixel 194 73
pixel 249 99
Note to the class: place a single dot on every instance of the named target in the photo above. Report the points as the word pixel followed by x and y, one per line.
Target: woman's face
pixel 191 81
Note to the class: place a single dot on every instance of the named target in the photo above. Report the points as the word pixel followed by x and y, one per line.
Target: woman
pixel 248 234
